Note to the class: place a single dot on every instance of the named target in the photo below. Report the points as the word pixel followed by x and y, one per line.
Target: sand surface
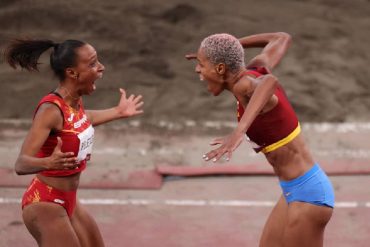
pixel 143 43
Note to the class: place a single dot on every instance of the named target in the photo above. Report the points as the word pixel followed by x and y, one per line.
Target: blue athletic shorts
pixel 312 187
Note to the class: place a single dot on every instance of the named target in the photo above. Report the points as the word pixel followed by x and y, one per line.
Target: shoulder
pixel 48 114
pixel 244 86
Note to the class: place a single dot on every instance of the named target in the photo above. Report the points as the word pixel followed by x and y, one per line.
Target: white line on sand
pixel 211 203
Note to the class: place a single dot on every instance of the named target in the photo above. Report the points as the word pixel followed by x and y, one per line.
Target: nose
pixel 197 68
pixel 101 67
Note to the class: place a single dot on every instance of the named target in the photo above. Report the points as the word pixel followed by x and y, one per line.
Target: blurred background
pixel 142 45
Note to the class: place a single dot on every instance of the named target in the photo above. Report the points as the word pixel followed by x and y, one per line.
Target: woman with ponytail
pixel 59 142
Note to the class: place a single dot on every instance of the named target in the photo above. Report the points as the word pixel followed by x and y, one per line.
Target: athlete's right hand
pixel 191 56
pixel 61 161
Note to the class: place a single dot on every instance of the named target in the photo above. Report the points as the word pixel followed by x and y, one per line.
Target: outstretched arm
pixel 274 46
pixel 126 107
pixel 264 88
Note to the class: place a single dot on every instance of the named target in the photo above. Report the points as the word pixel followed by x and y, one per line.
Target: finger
pixel 72 160
pixel 216 141
pixel 219 155
pixel 123 92
pixel 228 155
pixel 69 163
pixel 67 155
pixel 131 97
pixel 191 56
pixel 138 105
pixel 138 98
pixel 209 156
pixel 58 147
pixel 69 166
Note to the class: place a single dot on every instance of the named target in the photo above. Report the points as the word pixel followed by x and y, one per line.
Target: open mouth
pixel 100 75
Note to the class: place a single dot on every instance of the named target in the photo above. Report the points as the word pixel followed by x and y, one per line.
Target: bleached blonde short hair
pixel 224 48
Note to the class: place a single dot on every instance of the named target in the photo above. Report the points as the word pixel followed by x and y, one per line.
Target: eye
pixel 93 64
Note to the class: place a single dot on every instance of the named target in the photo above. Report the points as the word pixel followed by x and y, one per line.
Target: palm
pixel 228 145
pixel 130 106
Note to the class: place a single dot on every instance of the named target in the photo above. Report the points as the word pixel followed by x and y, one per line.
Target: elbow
pixel 287 38
pixel 18 168
pixel 272 82
pixel 19 171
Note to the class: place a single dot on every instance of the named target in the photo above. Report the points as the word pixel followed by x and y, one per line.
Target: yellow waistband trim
pixel 283 141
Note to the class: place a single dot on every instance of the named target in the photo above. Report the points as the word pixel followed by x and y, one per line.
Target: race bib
pixel 86 142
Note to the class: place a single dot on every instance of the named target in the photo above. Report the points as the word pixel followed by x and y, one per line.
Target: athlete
pixel 272 127
pixel 59 143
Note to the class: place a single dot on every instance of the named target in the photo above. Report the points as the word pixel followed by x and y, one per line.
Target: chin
pixel 217 92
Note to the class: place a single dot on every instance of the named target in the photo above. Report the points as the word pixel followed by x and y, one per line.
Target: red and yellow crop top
pixel 77 135
pixel 275 128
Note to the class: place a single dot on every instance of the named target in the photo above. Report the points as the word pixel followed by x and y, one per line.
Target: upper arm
pixel 47 118
pixel 89 115
pixel 273 52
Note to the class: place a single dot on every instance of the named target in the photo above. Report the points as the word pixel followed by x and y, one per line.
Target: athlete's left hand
pixel 130 106
pixel 228 145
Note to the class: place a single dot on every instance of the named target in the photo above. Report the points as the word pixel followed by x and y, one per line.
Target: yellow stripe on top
pixel 283 141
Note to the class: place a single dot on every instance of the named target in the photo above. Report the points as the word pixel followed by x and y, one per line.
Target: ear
pixel 220 68
pixel 71 73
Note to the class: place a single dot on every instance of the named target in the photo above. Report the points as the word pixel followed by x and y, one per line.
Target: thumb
pixel 58 147
pixel 216 141
pixel 123 92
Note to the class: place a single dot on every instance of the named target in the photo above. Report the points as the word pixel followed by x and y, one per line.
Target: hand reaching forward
pixel 191 56
pixel 228 145
pixel 61 161
pixel 130 106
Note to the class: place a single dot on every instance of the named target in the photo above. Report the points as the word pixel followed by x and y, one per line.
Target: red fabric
pixel 272 126
pixel 38 191
pixel 74 122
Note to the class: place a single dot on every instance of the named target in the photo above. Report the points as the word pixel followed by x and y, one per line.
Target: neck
pixel 232 79
pixel 68 95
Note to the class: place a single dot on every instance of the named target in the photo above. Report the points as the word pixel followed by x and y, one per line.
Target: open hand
pixel 130 106
pixel 62 161
pixel 228 145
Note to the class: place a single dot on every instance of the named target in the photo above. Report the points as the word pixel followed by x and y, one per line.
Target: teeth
pixel 201 78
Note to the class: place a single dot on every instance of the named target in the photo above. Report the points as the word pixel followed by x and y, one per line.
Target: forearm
pixel 261 40
pixel 97 117
pixel 275 47
pixel 261 95
pixel 29 165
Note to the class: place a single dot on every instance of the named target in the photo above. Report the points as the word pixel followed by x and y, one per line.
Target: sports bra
pixel 275 128
pixel 77 135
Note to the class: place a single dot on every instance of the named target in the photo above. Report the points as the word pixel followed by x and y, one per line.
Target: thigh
pixel 50 225
pixel 86 228
pixel 306 224
pixel 273 230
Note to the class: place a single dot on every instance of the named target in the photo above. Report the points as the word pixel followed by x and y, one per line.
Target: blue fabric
pixel 312 187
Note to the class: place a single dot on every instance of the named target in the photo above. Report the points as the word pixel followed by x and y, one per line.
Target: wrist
pixel 239 131
pixel 45 163
pixel 118 113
